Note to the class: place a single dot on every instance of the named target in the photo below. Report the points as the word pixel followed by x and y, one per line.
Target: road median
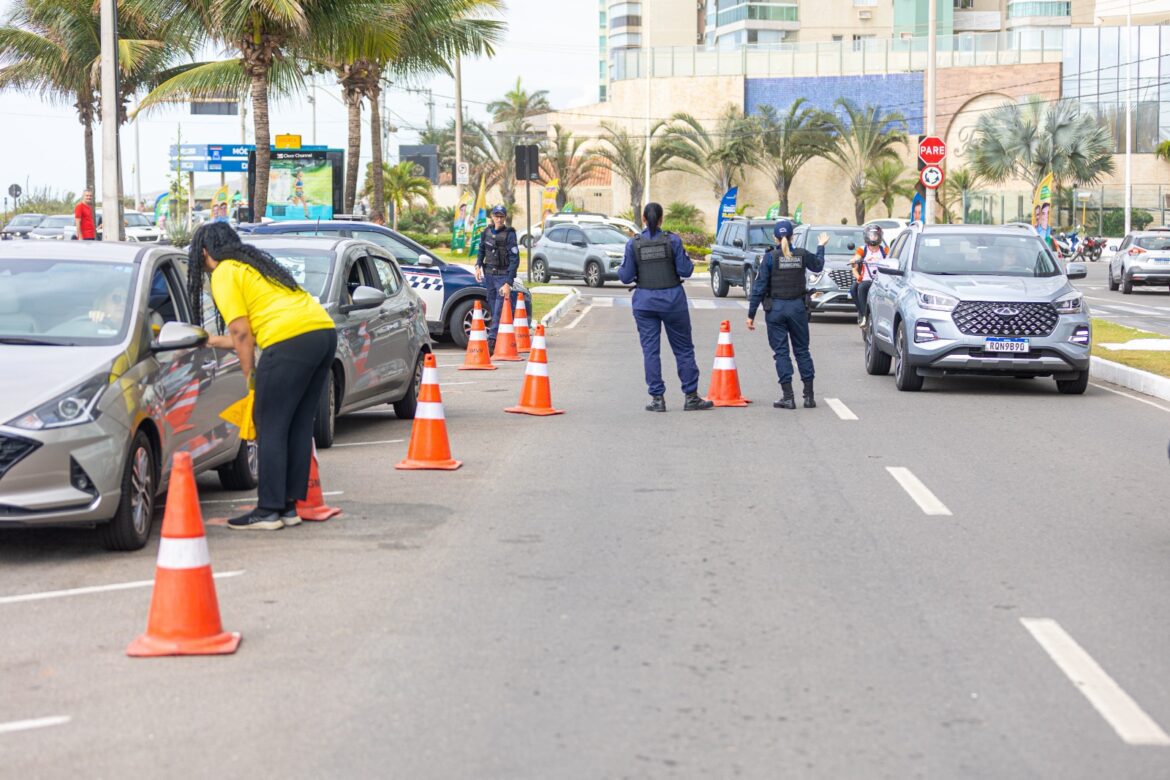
pixel 550 303
pixel 1131 358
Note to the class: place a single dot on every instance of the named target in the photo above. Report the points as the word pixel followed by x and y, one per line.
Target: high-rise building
pixel 603 47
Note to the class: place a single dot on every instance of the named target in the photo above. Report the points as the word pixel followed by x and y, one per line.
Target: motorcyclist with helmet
pixel 865 263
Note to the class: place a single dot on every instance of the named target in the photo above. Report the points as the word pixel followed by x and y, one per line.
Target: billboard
pixel 302 183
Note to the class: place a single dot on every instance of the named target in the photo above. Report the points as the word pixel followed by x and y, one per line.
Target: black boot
pixel 809 401
pixel 694 403
pixel 788 401
pixel 657 404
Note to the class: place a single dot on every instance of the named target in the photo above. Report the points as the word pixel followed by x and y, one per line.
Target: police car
pixel 449 290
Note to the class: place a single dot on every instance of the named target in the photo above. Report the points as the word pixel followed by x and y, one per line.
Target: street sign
pixel 932 150
pixel 288 142
pixel 216 151
pixel 224 165
pixel 932 177
pixel 463 173
pixel 15 190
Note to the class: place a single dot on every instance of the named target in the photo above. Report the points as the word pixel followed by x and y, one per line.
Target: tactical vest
pixel 788 280
pixel 495 250
pixel 655 259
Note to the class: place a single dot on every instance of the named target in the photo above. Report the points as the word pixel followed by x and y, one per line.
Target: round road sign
pixel 15 190
pixel 932 177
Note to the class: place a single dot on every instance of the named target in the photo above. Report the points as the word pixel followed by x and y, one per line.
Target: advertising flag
pixel 917 207
pixel 773 211
pixel 160 208
pixel 727 206
pixel 1041 208
pixel 219 204
pixel 481 220
pixel 464 221
pixel 798 216
pixel 548 199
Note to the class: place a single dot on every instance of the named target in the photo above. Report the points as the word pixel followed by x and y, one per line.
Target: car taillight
pixel 1137 250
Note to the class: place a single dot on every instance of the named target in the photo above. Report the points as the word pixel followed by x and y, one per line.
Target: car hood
pixel 50 231
pixel 142 231
pixel 995 288
pixel 56 369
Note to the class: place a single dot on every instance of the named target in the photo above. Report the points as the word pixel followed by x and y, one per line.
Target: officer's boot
pixel 789 400
pixel 809 401
pixel 694 403
pixel 657 404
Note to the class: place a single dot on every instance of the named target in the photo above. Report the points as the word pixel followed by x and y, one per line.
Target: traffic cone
pixel 506 336
pixel 523 335
pixel 314 506
pixel 536 397
pixel 477 358
pixel 184 613
pixel 429 448
pixel 724 390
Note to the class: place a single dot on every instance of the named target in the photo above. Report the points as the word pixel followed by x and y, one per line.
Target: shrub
pixel 178 234
pixel 697 251
pixel 429 240
pixel 1113 223
pixel 683 213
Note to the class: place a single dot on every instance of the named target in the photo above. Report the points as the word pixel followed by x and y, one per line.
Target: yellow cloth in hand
pixel 239 414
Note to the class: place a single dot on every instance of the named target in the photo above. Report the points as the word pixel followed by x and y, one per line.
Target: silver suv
pixel 966 299
pixel 588 251
pixel 1142 259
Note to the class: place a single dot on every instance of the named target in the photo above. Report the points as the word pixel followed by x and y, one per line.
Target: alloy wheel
pixel 142 485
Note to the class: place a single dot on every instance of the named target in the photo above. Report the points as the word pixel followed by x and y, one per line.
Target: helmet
pixel 873 235
pixel 783 229
pixel 503 212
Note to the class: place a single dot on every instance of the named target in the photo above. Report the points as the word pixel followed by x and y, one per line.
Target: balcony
pixel 1039 13
pixel 978 21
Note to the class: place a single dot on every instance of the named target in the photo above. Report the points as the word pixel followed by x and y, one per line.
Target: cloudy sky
pixel 43 146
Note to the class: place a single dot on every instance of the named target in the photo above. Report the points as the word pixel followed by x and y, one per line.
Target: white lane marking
pixel 35 723
pixel 702 303
pixel 370 443
pixel 580 317
pixel 602 301
pixel 921 494
pixel 745 305
pixel 253 498
pixel 57 594
pixel 841 409
pixel 1121 712
pixel 1131 396
pixel 1144 311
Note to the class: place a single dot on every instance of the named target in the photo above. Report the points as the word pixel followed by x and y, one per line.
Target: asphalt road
pixel 1147 308
pixel 970 581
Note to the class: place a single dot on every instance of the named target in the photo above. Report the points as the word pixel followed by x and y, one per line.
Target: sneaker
pixel 257 520
pixel 289 516
pixel 861 322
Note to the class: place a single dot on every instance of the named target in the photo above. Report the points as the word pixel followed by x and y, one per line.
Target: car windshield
pixel 604 235
pixel 1154 243
pixel 137 220
pixel 310 267
pixel 841 242
pixel 972 254
pixel 25 220
pixel 56 222
pixel 760 235
pixel 64 302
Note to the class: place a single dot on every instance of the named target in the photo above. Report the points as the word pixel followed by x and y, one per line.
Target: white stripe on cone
pixel 538 343
pixel 724 364
pixel 183 553
pixel 506 328
pixel 430 376
pixel 536 369
pixel 724 338
pixel 477 314
pixel 429 410
pixel 478 335
pixel 521 321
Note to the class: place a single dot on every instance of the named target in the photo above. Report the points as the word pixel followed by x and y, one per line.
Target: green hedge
pixel 429 240
pixel 697 251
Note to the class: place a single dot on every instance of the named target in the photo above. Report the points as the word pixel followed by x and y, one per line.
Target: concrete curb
pixel 561 309
pixel 1131 378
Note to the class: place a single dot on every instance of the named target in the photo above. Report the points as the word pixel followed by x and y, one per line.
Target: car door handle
pixel 210 365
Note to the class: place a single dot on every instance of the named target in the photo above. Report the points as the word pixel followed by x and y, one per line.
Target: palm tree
pixel 788 141
pixel 885 184
pixel 959 186
pixel 1163 151
pixel 719 156
pixel 565 161
pixel 625 155
pixel 862 139
pixel 512 111
pixel 401 184
pixel 518 104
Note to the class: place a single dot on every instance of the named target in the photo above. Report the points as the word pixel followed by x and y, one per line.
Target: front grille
pixel 979 318
pixel 842 278
pixel 13 450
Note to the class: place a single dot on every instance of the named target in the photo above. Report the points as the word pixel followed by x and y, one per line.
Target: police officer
pixel 781 287
pixel 656 261
pixel 499 259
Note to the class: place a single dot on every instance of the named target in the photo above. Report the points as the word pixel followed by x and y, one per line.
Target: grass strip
pixel 1106 332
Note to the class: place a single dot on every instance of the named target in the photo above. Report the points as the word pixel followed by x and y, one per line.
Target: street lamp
pixel 1128 115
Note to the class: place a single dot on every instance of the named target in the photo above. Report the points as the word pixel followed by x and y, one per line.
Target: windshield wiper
pixel 32 342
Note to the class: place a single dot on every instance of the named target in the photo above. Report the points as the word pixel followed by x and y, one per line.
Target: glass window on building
pixel 1019 8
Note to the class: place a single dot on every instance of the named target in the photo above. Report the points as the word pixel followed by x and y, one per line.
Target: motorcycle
pixel 1061 244
pixel 1093 248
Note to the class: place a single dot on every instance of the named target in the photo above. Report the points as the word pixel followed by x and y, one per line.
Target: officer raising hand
pixel 781 287
pixel 496 267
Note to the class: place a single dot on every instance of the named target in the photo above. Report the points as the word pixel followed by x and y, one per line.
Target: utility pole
pixel 138 203
pixel 244 194
pixel 931 94
pixel 1128 49
pixel 458 117
pixel 111 159
pixel 649 62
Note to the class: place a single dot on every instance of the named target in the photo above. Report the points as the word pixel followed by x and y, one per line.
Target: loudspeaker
pixel 527 162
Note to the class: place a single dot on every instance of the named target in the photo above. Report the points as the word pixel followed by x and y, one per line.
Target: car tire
pixel 325 425
pixel 129 529
pixel 526 242
pixel 749 279
pixel 719 285
pixel 405 408
pixel 1126 283
pixel 905 377
pixel 1113 284
pixel 593 274
pixel 540 270
pixel 243 472
pixel 1074 386
pixel 877 363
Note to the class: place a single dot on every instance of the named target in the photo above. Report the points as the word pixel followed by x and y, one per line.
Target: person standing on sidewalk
pixel 84 226
pixel 657 262
pixel 496 267
pixel 263 307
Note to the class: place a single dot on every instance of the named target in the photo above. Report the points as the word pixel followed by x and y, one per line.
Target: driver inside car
pixel 109 307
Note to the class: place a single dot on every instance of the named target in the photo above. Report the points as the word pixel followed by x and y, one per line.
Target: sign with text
pixel 932 150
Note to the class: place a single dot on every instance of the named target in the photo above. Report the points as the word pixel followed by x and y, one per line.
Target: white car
pixel 1143 259
pixel 139 228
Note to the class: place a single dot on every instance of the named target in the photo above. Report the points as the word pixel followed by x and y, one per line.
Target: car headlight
pixel 615 254
pixel 1073 303
pixel 812 278
pixel 937 301
pixel 73 407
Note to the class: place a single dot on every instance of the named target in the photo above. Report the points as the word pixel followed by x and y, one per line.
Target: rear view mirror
pixel 1076 271
pixel 178 335
pixel 364 298
pixel 737 243
pixel 851 247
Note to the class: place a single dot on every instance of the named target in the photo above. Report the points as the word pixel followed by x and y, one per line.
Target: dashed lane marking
pixel 702 303
pixel 1120 711
pixel 927 501
pixel 59 594
pixel 35 723
pixel 840 409
pixel 601 300
pixel 369 443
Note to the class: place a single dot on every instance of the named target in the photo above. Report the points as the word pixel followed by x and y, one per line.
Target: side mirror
pixel 737 243
pixel 426 260
pixel 1076 271
pixel 895 271
pixel 852 246
pixel 363 298
pixel 178 335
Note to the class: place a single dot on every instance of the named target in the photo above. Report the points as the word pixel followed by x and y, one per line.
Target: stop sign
pixel 932 150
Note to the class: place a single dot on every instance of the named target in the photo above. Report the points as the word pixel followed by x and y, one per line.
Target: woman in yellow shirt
pixel 263 307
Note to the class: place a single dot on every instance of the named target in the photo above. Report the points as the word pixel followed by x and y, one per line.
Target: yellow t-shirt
pixel 274 312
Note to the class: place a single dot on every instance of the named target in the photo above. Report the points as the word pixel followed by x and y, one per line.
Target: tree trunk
pixel 353 105
pixel 394 216
pixel 782 191
pixel 261 130
pixel 636 203
pixel 562 198
pixel 859 210
pixel 378 206
pixel 87 123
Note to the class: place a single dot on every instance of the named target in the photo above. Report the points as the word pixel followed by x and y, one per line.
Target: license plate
pixel 1005 345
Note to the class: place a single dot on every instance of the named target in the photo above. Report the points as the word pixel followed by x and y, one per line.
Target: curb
pixel 1131 378
pixel 561 309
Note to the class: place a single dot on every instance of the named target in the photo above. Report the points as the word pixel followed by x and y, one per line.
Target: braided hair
pixel 223 243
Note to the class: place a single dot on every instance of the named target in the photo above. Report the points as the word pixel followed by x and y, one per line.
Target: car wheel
pixel 526 242
pixel 719 285
pixel 1126 283
pixel 540 271
pixel 130 527
pixel 905 377
pixel 593 276
pixel 243 473
pixel 749 279
pixel 406 408
pixel 1074 386
pixel 326 423
pixel 877 363
pixel 1113 285
pixel 459 322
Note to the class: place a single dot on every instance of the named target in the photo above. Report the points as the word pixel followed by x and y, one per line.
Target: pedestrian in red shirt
pixel 83 218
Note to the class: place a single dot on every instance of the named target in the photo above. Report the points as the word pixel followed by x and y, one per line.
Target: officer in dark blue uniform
pixel 656 261
pixel 781 287
pixel 496 267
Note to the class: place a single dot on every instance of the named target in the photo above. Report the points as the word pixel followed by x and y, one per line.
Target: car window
pixel 56 222
pixel 1154 243
pixel 390 282
pixel 401 252
pixel 895 252
pixel 573 235
pixel 843 241
pixel 974 254
pixel 760 235
pixel 721 236
pixel 885 224
pixel 1125 243
pixel 309 267
pixel 556 234
pixel 66 302
pixel 137 220
pixel 605 235
pixel 165 301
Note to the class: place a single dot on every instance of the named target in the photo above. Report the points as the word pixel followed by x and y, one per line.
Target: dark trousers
pixel 289 382
pixel 788 320
pixel 495 301
pixel 678 333
pixel 860 294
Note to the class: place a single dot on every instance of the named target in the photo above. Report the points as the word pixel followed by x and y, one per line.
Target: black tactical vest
pixel 655 259
pixel 788 281
pixel 495 250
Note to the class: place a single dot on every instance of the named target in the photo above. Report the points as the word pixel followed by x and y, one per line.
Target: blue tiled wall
pixel 901 92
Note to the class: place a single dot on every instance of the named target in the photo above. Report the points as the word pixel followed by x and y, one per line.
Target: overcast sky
pixel 42 144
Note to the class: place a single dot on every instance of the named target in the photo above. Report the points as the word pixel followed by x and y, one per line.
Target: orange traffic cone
pixel 506 336
pixel 184 613
pixel 477 358
pixel 523 336
pixel 536 397
pixel 314 506
pixel 724 390
pixel 429 448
